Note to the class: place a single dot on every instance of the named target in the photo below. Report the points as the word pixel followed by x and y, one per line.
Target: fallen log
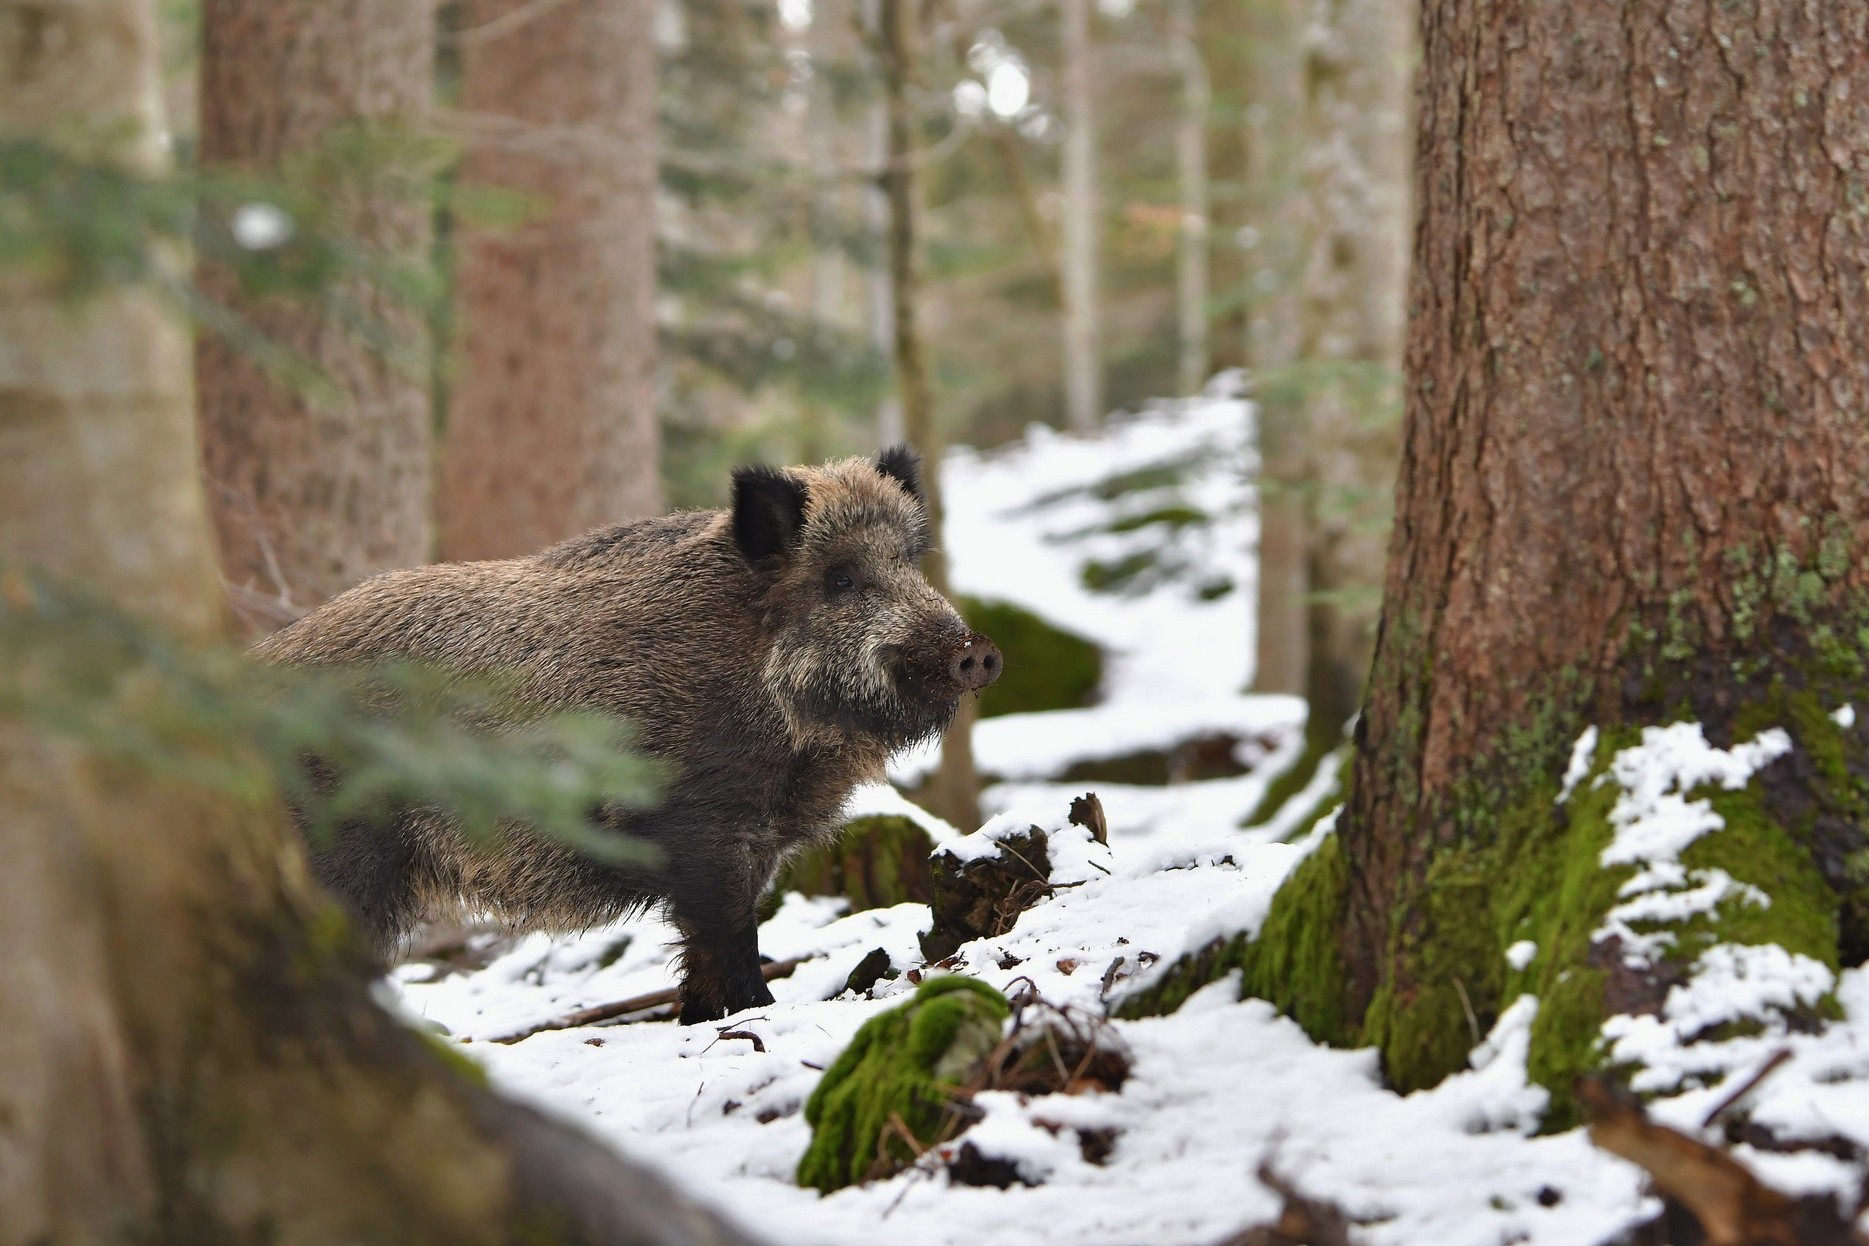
pixel 666 998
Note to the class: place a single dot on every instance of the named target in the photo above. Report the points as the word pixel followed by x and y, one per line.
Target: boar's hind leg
pixel 719 926
pixel 370 870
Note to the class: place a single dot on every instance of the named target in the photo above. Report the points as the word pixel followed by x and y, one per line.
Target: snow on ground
pixel 1222 1085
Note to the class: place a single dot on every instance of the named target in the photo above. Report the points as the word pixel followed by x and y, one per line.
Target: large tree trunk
pixel 954 791
pixel 1083 351
pixel 1273 115
pixel 190 1050
pixel 1635 488
pixel 313 491
pixel 552 426
pixel 1356 79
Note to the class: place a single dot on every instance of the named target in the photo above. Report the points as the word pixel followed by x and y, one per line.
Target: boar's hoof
pixel 711 1004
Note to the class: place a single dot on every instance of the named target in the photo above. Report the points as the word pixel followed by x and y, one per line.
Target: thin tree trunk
pixel 1191 169
pixel 955 789
pixel 1356 75
pixel 190 1049
pixel 827 257
pixel 1083 356
pixel 313 491
pixel 889 428
pixel 1273 115
pixel 1635 488
pixel 553 426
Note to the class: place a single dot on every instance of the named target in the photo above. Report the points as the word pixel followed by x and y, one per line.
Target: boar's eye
pixel 840 580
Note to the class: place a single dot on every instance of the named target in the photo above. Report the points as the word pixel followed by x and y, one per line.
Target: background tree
pixel 1357 68
pixel 552 422
pixel 955 789
pixel 1083 355
pixel 1633 490
pixel 1191 260
pixel 1271 113
pixel 169 1078
pixel 321 480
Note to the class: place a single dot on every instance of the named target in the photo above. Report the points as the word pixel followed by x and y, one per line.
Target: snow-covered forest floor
pixel 1223 1085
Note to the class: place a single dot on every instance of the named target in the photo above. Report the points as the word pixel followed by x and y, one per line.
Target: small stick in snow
pixel 667 997
pixel 1771 1065
pixel 758 1044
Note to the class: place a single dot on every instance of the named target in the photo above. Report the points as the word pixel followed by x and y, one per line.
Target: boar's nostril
pixel 975 664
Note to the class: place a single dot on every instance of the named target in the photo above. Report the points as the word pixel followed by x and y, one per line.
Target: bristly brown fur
pixel 772 659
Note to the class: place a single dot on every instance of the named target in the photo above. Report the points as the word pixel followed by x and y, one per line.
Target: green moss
pixel 1047 667
pixel 454 1058
pixel 1122 575
pixel 1294 962
pixel 875 862
pixel 1174 518
pixel 906 1064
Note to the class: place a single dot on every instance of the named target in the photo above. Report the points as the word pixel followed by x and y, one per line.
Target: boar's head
pixel 859 642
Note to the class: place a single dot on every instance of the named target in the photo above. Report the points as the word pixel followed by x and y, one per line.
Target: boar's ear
pixel 768 512
pixel 903 465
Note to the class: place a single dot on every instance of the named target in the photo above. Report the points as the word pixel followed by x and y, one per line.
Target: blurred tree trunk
pixel 553 428
pixel 1357 70
pixel 1635 489
pixel 954 791
pixel 1191 169
pixel 1272 120
pixel 816 438
pixel 190 1050
pixel 313 491
pixel 1083 352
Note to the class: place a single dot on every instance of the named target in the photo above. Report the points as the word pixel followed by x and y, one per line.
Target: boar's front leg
pixel 717 914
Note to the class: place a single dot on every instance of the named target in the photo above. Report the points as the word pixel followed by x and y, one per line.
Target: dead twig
pixel 665 998
pixel 1772 1064
pixel 1733 1207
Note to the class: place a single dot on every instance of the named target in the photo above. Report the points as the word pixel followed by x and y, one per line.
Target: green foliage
pixel 906 1065
pixel 1047 667
pixel 82 222
pixel 381 738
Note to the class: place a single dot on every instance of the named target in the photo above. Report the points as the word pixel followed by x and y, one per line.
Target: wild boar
pixel 772 656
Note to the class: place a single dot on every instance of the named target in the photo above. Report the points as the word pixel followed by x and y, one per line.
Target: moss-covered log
pixel 1635 491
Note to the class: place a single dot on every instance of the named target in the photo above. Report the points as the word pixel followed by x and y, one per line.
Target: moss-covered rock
pixel 906 1065
pixel 1047 667
pixel 875 862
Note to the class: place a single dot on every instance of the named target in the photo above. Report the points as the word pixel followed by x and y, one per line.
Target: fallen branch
pixel 667 997
pixel 1733 1207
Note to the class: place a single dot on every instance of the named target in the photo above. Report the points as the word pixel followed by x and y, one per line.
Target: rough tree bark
pixel 313 491
pixel 552 425
pixel 954 791
pixel 1273 91
pixel 1083 352
pixel 1357 67
pixel 1634 488
pixel 190 1049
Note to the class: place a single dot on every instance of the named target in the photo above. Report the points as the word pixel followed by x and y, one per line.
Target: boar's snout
pixel 975 663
